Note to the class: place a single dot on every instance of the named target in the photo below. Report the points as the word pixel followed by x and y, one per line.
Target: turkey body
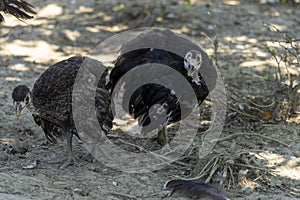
pixel 149 95
pixel 148 100
pixel 18 8
pixel 195 189
pixel 52 101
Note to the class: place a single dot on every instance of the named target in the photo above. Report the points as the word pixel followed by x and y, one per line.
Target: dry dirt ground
pixel 259 152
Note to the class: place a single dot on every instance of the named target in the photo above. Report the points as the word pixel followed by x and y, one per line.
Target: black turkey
pixel 18 8
pixel 156 105
pixel 195 189
pixel 51 101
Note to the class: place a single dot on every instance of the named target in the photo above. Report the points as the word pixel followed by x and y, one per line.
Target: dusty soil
pixel 268 163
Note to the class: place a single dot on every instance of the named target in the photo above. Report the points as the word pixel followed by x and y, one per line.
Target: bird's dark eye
pixel 188 66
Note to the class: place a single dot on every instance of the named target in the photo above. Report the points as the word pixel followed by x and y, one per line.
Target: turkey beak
pixel 18 109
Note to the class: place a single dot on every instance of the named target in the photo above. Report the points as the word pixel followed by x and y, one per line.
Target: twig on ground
pixel 250 134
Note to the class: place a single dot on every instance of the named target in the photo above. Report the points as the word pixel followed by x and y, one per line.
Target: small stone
pixel 31 165
pixel 144 178
pixel 81 192
pixel 273 1
pixel 171 16
pixel 3 95
pixel 114 183
pixel 210 27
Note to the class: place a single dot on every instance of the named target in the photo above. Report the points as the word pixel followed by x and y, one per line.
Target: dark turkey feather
pixel 52 94
pixel 51 130
pixel 154 49
pixel 18 8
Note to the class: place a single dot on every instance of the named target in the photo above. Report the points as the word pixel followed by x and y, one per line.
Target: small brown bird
pixel 18 8
pixel 51 101
pixel 195 189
